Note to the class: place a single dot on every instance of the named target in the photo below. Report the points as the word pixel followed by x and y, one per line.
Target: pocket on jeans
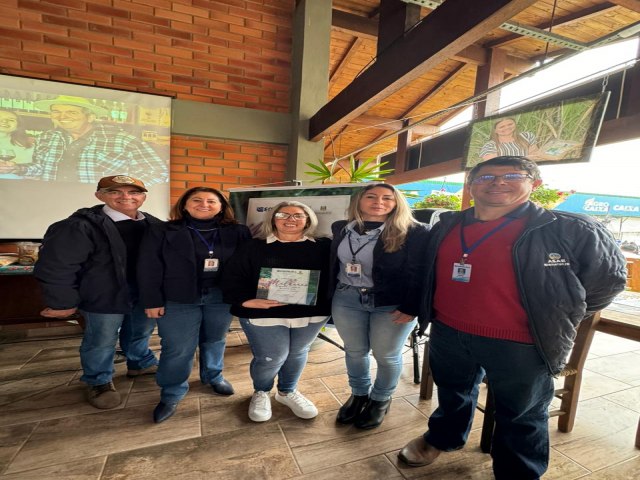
pixel 342 287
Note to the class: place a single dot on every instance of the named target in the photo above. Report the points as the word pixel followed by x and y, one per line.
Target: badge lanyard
pixel 462 270
pixel 210 264
pixel 354 269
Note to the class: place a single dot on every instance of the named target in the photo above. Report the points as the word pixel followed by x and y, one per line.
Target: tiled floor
pixel 47 431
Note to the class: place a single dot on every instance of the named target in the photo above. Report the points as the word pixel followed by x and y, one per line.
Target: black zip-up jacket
pixel 567 267
pixel 167 267
pixel 83 263
pixel 241 278
pixel 397 276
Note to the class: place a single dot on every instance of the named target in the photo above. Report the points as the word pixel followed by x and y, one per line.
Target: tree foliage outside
pixel 440 200
pixel 547 197
pixel 543 196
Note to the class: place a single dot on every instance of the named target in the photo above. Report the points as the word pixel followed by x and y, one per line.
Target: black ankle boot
pixel 350 410
pixel 164 411
pixel 372 414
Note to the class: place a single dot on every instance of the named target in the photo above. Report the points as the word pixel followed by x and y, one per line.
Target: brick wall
pixel 229 52
pixel 223 164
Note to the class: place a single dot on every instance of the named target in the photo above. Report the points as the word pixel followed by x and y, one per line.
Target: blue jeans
pixel 98 347
pixel 523 390
pixel 183 327
pixel 280 351
pixel 366 328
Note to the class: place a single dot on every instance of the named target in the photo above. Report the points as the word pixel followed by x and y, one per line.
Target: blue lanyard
pixel 207 244
pixel 466 251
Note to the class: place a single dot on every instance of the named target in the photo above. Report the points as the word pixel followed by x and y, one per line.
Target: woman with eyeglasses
pixel 277 286
pixel 377 261
pixel 179 272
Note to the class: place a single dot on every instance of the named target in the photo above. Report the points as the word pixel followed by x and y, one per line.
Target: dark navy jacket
pixel 567 266
pixel 167 267
pixel 397 276
pixel 83 263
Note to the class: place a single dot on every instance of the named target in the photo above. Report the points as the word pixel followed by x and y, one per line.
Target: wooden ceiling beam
pixel 420 129
pixel 356 25
pixel 367 29
pixel 558 22
pixel 630 4
pixel 437 88
pixel 351 51
pixel 391 124
pixel 439 36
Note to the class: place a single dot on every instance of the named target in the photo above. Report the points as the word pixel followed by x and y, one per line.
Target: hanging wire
pixel 624 77
pixel 553 16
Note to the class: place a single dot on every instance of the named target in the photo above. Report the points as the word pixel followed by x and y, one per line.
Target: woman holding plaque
pixel 378 262
pixel 179 274
pixel 277 286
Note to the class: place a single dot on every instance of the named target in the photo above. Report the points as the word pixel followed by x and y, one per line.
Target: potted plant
pixel 355 171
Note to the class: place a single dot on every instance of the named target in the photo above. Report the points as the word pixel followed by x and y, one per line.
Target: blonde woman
pixel 506 139
pixel 377 260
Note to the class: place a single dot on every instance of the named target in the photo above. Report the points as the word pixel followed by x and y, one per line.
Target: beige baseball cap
pixel 107 183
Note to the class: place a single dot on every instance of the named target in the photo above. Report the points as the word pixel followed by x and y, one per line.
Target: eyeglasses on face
pixel 118 193
pixel 287 216
pixel 507 178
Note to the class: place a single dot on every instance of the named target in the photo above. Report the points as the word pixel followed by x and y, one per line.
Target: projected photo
pixel 560 132
pixel 68 133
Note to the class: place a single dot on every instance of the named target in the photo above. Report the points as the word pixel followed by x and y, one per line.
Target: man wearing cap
pixel 80 149
pixel 87 263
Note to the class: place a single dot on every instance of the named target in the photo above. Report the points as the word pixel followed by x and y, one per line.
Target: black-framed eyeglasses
pixel 287 216
pixel 507 178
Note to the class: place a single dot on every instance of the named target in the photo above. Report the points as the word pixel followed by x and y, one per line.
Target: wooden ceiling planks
pixel 353 51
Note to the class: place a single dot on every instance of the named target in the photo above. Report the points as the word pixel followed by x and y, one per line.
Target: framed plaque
pixel 289 285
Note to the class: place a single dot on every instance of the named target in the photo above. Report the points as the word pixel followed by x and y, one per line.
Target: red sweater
pixel 489 304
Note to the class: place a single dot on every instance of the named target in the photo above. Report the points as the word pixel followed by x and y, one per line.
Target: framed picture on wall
pixel 558 132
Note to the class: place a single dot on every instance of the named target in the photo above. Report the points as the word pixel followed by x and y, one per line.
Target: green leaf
pixel 366 171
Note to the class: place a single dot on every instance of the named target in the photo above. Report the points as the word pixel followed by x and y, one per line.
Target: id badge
pixel 353 270
pixel 211 264
pixel 461 272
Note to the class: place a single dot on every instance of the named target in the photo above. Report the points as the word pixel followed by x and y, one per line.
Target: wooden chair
pixel 568 394
pixel 426 385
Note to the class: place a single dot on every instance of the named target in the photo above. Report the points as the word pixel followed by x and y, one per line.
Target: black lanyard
pixel 353 254
pixel 466 251
pixel 207 244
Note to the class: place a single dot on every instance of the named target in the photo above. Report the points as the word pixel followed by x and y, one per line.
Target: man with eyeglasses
pixel 508 284
pixel 87 264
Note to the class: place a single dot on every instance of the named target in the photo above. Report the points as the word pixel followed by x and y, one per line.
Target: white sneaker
pixel 260 407
pixel 300 405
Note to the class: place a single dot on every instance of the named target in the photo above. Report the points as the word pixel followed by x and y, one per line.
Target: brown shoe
pixel 143 371
pixel 418 453
pixel 103 396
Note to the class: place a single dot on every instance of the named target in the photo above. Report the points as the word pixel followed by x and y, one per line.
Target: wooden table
pixel 21 296
pixel 622 321
pixel 625 324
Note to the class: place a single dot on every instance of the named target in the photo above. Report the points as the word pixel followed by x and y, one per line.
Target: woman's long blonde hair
pixel 398 222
